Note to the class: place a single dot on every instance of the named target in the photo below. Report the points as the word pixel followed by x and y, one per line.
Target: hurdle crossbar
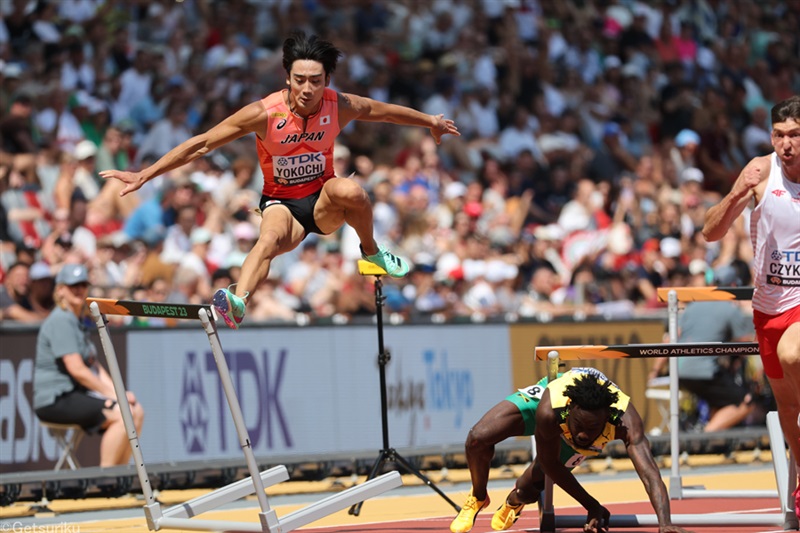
pixel 784 475
pixel 705 294
pixel 645 351
pixel 181 516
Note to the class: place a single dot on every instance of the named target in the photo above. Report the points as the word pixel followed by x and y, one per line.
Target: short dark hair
pixel 300 46
pixel 788 109
pixel 589 394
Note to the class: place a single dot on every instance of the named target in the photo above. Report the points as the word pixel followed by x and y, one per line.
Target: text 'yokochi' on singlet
pixel 560 405
pixel 775 235
pixel 296 162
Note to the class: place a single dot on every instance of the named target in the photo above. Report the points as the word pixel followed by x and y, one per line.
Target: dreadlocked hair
pixel 589 394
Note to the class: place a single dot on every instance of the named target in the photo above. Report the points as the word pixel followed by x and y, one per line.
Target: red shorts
pixel 769 330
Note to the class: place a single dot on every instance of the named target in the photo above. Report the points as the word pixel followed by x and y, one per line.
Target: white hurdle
pixel 785 475
pixel 673 296
pixel 181 516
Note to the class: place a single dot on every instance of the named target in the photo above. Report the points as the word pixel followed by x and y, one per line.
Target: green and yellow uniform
pixel 527 401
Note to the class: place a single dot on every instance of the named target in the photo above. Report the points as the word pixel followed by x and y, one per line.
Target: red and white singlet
pixel 775 235
pixel 297 162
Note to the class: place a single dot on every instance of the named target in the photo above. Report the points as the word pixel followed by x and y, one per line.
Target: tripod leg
pixel 356 508
pixel 412 470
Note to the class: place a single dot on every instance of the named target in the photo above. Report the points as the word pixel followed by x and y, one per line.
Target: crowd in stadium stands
pixel 595 133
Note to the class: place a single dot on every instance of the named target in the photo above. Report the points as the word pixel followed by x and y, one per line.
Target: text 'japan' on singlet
pixel 775 235
pixel 297 162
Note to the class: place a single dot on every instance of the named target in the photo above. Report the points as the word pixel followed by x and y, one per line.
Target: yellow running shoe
pixel 466 516
pixel 506 515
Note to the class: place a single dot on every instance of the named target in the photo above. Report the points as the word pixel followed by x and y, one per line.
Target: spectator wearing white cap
pixel 684 153
pixel 480 297
pixel 79 175
pixel 692 201
pixel 244 235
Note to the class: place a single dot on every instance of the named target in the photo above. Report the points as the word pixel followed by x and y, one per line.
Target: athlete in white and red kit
pixel 773 182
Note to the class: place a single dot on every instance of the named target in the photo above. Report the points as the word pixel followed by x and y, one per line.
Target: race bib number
pixel 297 169
pixel 784 268
pixel 534 391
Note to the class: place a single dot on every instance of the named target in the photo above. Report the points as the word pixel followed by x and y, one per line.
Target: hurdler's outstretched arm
pixel 354 107
pixel 249 119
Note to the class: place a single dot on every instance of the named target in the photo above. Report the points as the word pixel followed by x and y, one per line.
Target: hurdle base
pixel 153 515
pixel 269 521
pixel 696 493
pixel 227 494
pixel 790 521
pixel 194 524
pixel 342 500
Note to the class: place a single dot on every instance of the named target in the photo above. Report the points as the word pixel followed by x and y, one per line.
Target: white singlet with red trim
pixel 775 235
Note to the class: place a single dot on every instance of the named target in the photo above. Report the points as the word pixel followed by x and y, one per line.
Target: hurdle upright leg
pixel 152 509
pixel 547 513
pixel 267 516
pixel 675 480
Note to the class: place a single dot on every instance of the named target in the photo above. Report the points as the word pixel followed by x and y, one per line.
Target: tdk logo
pixel 791 256
pixel 194 408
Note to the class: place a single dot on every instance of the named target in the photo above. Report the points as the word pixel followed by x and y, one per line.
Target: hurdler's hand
pixel 443 127
pixel 132 180
pixel 673 529
pixel 597 520
pixel 750 178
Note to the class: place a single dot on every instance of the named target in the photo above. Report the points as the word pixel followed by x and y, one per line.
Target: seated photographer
pixel 719 381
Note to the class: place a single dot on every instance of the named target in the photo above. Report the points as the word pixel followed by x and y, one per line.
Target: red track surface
pixel 529 519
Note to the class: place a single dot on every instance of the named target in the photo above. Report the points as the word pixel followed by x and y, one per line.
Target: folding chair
pixel 67 436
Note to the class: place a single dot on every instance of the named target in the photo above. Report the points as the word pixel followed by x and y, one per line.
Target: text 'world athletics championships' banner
pixel 310 391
